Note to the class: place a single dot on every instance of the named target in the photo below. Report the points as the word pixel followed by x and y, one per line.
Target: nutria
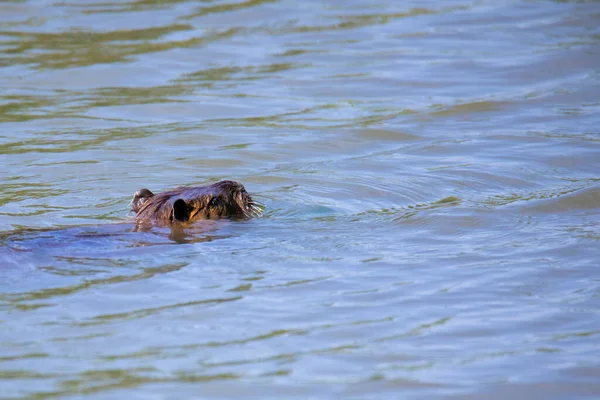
pixel 188 204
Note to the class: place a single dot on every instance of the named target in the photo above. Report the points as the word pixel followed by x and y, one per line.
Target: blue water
pixel 430 173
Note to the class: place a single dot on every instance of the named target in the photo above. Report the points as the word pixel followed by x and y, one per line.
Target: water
pixel 431 177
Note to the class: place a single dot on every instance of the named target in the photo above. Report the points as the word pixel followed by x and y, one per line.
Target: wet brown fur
pixel 188 204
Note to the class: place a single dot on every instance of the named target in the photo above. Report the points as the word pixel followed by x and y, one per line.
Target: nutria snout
pixel 188 204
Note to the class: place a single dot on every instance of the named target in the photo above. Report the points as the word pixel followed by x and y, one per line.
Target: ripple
pixel 84 48
pixel 572 200
pixel 18 298
pixel 135 314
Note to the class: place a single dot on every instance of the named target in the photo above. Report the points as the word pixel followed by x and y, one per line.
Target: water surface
pixel 430 172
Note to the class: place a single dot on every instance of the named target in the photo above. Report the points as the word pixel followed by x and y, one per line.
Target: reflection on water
pixel 430 178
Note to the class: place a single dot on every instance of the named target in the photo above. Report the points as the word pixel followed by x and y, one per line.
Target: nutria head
pixel 188 204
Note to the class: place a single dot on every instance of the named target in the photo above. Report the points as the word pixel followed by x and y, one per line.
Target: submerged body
pixel 189 204
pixel 171 209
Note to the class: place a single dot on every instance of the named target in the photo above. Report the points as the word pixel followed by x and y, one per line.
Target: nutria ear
pixel 180 210
pixel 143 193
pixel 139 198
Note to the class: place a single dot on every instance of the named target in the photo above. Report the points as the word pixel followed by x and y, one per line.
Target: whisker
pixel 255 209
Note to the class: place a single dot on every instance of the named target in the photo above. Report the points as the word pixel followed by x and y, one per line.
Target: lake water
pixel 430 172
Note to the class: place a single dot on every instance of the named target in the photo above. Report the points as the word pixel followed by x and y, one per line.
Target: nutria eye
pixel 215 201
